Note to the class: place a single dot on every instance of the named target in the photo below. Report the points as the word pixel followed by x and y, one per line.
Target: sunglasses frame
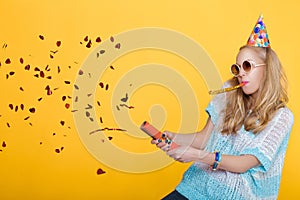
pixel 252 65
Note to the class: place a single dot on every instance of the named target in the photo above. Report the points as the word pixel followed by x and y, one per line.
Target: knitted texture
pixel 261 182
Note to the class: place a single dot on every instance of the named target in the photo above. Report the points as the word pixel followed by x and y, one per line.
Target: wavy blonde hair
pixel 272 95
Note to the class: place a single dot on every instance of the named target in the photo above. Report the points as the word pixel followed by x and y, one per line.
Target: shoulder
pixel 285 114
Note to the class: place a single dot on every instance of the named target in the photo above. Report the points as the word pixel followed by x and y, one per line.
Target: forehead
pixel 248 54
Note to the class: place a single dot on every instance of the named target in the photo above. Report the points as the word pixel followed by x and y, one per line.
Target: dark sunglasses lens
pixel 235 70
pixel 246 66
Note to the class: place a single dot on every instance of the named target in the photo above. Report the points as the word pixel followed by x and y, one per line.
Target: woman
pixel 239 154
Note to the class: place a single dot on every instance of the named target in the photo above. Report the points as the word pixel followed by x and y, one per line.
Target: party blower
pixel 157 135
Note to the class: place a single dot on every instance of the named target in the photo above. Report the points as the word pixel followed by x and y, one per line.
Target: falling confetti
pixel 118 46
pixel 124 105
pixel 100 171
pixel 7 61
pixel 125 98
pixel 58 43
pixel 112 39
pixel 98 39
pixel 41 37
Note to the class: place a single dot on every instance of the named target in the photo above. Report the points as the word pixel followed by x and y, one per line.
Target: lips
pixel 245 82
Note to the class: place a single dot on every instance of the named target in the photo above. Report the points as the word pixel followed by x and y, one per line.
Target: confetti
pixel 100 171
pixel 102 51
pixel 101 121
pixel 98 102
pixel 32 110
pixel 101 84
pixel 67 105
pixel 7 61
pixel 89 106
pixel 67 82
pixel 86 38
pixel 11 106
pixel 62 123
pixel 106 87
pixel 37 69
pixel 89 44
pixel 125 98
pixel 16 108
pixel 3 144
pixel 21 60
pixel 41 37
pixel 118 46
pixel 112 39
pixel 21 89
pixel 112 67
pixel 110 137
pixel 26 118
pixel 27 67
pixel 58 43
pixel 54 52
pixel 80 72
pixel 98 39
pixel 124 105
pixel 22 106
pixel 64 98
pixel 106 129
pixel 76 87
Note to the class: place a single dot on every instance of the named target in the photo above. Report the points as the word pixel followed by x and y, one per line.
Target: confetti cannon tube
pixel 156 134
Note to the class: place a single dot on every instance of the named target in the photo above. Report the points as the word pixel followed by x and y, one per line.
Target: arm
pixel 196 140
pixel 236 164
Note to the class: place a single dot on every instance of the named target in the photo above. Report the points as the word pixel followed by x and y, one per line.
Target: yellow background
pixel 29 166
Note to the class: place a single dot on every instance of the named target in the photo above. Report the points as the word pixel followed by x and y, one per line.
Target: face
pixel 253 79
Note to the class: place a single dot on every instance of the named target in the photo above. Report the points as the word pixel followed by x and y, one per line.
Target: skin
pixel 192 145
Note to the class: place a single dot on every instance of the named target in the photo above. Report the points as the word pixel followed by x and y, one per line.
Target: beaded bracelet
pixel 218 158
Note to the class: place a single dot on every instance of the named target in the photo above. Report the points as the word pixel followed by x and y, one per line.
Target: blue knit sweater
pixel 261 182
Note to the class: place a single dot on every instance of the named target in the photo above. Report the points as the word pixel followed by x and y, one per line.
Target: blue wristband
pixel 218 157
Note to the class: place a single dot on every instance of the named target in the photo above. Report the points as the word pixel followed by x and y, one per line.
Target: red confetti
pixel 67 105
pixel 86 38
pixel 100 171
pixel 63 98
pixel 11 106
pixel 118 46
pixel 42 74
pixel 106 87
pixel 3 144
pixel 41 37
pixel 98 39
pixel 7 61
pixel 16 108
pixel 22 106
pixel 11 73
pixel 89 44
pixel 58 43
pixel 112 39
pixel 21 60
pixel 51 56
pixel 101 84
pixel 27 67
pixel 32 110
pixel 37 69
pixel 57 150
pixel 62 123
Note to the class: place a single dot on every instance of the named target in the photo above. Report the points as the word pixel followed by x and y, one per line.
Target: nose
pixel 242 72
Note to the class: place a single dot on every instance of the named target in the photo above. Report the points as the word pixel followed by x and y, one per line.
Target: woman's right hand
pixel 162 144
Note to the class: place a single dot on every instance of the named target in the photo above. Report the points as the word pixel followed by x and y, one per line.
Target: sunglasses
pixel 247 66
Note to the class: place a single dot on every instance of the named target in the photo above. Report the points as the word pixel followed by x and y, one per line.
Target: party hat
pixel 259 35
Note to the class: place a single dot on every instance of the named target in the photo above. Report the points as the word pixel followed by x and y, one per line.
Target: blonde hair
pixel 272 95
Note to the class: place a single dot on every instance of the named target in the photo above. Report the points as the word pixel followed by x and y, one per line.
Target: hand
pixel 161 144
pixel 187 154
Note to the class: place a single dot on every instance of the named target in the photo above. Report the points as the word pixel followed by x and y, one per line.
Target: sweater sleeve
pixel 272 141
